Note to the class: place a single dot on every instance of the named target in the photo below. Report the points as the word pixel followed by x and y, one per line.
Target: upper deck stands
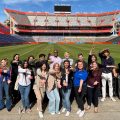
pixel 47 19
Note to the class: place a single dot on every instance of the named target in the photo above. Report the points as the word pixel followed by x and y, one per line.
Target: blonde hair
pixel 5 59
pixel 55 65
pixel 66 53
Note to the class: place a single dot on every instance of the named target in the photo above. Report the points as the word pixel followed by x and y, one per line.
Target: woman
pixel 80 77
pixel 14 72
pixel 24 81
pixel 93 85
pixel 91 58
pixel 53 84
pixel 4 85
pixel 66 82
pixel 31 63
pixel 39 85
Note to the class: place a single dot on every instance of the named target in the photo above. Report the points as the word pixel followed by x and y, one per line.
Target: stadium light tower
pixel 89 21
pixel 68 23
pixel 79 23
pixel 35 20
pixel 57 21
pixel 46 21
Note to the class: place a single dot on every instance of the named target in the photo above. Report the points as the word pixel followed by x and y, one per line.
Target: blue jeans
pixel 66 98
pixel 24 92
pixel 54 101
pixel 4 87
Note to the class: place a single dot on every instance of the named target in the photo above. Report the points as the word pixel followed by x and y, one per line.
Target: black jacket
pixel 70 78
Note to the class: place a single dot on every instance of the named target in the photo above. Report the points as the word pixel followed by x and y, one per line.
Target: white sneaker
pixel 67 114
pixel 63 110
pixel 52 113
pixel 23 110
pixel 19 110
pixel 40 114
pixel 58 113
pixel 103 99
pixel 113 99
pixel 28 110
pixel 78 112
pixel 82 113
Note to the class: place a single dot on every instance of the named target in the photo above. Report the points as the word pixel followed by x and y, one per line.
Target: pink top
pixel 54 60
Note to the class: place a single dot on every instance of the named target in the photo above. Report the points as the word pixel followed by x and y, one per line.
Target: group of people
pixel 60 79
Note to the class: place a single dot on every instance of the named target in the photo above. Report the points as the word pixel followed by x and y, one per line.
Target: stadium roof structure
pixel 44 13
pixel 41 21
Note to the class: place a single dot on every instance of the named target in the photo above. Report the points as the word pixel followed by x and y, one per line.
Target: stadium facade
pixel 64 27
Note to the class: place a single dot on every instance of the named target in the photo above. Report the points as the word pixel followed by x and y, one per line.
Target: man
pixel 107 68
pixel 81 58
pixel 41 59
pixel 67 57
pixel 55 59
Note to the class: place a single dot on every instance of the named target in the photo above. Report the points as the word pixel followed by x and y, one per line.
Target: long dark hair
pixel 97 65
pixel 15 55
pixel 93 55
pixel 68 62
pixel 25 61
pixel 25 74
pixel 47 66
pixel 30 57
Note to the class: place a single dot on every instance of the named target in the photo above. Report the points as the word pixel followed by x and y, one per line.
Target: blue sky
pixel 47 5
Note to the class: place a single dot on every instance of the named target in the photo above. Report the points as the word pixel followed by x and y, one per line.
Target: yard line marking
pixel 35 47
pixel 27 52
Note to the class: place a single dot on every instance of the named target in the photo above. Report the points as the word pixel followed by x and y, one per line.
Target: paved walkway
pixel 108 110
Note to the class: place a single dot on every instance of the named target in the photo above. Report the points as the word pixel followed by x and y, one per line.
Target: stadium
pixel 62 30
pixel 61 27
pixel 28 33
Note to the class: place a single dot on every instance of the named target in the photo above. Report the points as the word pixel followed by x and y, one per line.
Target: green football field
pixel 26 50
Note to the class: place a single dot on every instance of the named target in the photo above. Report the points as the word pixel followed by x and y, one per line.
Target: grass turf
pixel 27 50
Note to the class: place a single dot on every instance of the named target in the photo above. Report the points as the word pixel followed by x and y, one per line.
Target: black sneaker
pixel 9 109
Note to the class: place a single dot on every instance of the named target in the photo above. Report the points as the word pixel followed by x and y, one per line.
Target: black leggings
pixel 80 97
pixel 92 96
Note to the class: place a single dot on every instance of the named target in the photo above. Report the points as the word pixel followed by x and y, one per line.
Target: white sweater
pixel 24 80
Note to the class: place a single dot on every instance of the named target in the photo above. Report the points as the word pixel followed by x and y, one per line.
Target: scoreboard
pixel 62 9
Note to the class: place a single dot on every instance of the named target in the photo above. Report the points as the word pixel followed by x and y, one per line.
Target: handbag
pixel 16 83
